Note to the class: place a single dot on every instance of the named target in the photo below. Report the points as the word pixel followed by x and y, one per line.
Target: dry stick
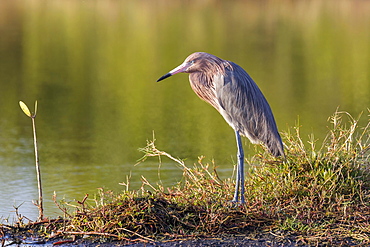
pixel 64 210
pixel 89 233
pixel 144 239
pixel 137 234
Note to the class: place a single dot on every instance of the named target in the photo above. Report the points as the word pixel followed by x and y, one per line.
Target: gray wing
pixel 244 107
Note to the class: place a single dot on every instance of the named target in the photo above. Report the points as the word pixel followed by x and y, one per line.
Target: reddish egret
pixel 228 88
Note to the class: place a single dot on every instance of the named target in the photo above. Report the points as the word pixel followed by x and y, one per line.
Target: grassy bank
pixel 319 194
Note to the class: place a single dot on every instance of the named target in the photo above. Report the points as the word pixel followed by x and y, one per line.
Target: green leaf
pixel 25 108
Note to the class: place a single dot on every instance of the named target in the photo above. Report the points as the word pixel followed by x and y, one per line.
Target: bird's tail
pixel 275 146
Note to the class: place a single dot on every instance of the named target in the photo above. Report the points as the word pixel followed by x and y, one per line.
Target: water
pixel 92 66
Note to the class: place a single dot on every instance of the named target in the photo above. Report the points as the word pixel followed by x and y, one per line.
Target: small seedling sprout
pixel 26 111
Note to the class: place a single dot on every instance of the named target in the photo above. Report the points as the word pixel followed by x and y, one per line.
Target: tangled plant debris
pixel 320 194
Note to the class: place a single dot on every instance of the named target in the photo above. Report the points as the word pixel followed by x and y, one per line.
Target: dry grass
pixel 319 194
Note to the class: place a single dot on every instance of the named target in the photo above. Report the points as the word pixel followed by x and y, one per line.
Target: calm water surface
pixel 92 66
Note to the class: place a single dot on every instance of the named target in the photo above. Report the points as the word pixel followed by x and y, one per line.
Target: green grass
pixel 319 194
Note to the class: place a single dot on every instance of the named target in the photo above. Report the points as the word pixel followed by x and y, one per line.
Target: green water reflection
pixel 92 66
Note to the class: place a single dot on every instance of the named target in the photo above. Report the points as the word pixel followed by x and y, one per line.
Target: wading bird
pixel 228 88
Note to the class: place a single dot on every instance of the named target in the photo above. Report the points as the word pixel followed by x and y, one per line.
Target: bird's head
pixel 197 62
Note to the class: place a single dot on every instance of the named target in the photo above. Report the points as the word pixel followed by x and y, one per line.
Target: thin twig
pixel 90 233
pixel 137 234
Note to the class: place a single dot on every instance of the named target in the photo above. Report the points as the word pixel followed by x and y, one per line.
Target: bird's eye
pixel 192 62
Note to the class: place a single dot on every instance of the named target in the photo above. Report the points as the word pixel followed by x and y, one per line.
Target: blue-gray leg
pixel 240 171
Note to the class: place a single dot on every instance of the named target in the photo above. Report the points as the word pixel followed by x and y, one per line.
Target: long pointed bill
pixel 164 77
pixel 178 69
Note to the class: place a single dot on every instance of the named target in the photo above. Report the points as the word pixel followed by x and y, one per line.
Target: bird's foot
pixel 237 202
